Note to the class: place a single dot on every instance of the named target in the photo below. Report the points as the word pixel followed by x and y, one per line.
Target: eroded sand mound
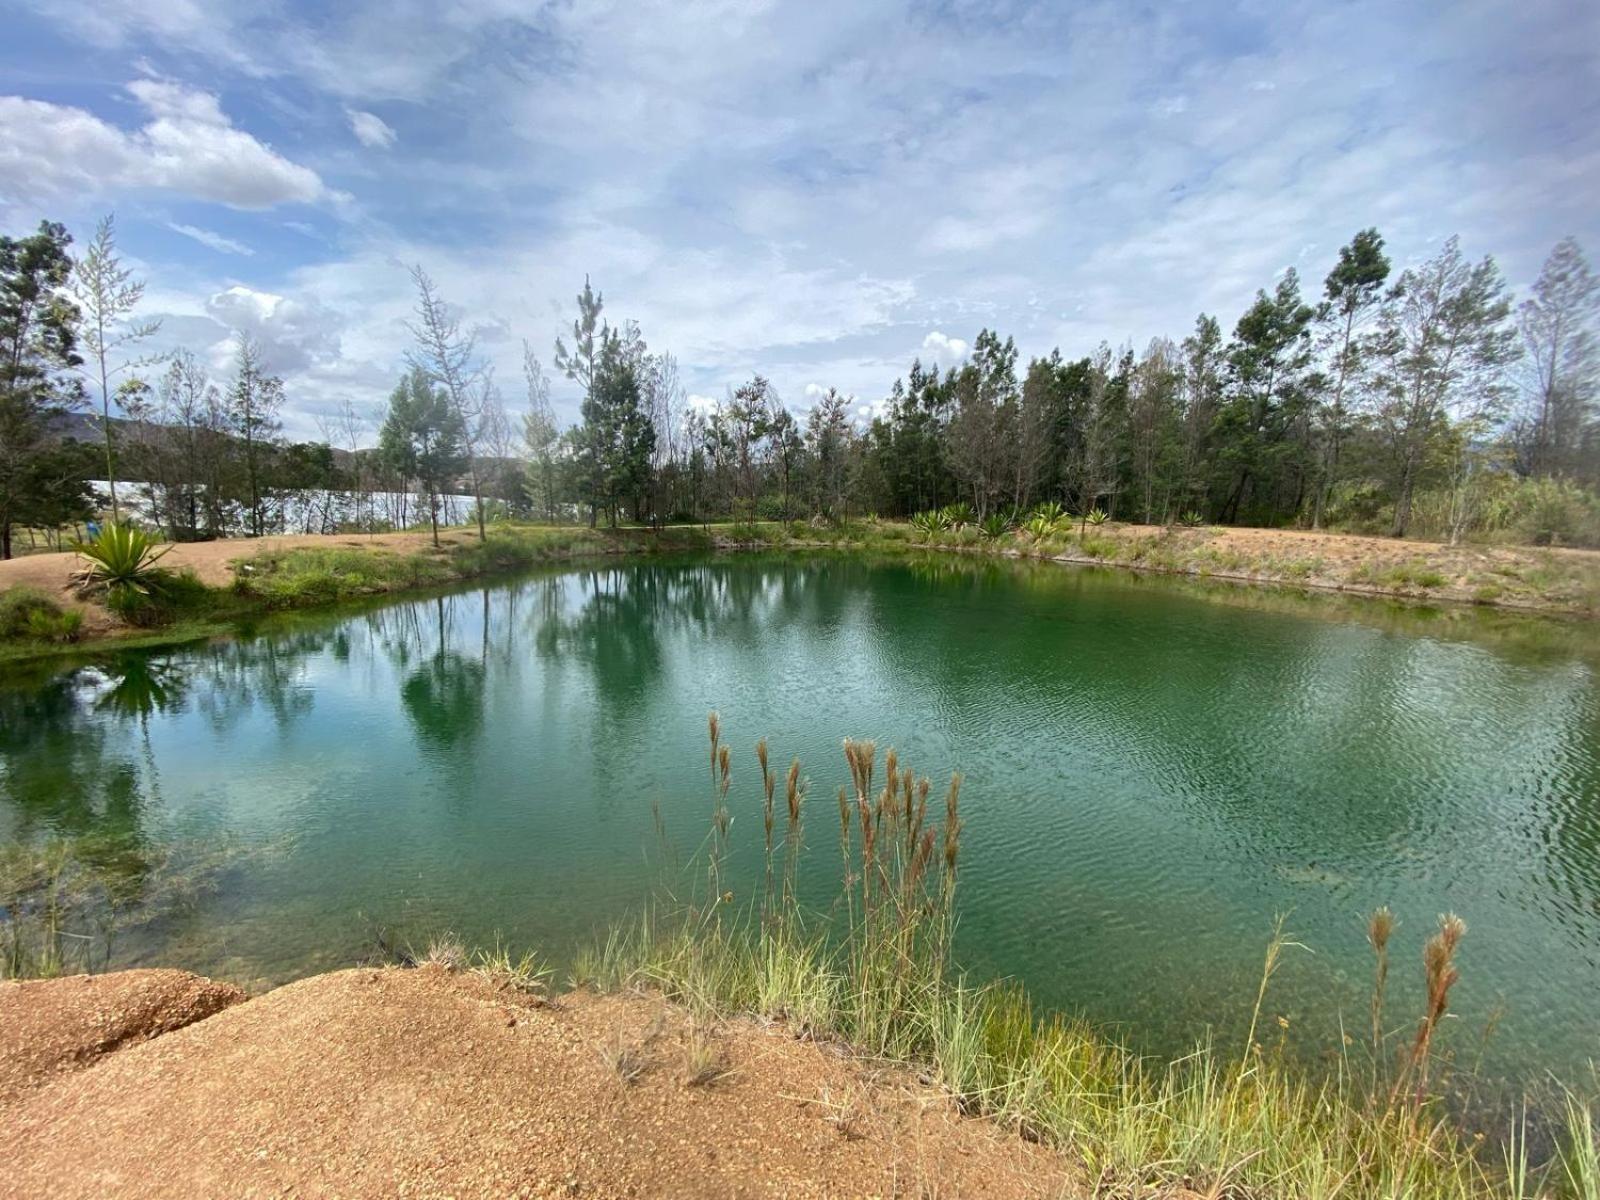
pixel 56 1025
pixel 424 1083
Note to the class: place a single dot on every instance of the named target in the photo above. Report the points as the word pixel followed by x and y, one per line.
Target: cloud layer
pixel 815 192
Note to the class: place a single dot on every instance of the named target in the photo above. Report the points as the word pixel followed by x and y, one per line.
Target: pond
pixel 1153 772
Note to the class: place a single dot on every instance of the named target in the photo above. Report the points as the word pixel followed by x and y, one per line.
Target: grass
pixel 874 971
pixel 29 615
pixel 65 901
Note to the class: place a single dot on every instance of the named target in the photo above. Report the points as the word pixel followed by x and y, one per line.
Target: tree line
pixel 1426 401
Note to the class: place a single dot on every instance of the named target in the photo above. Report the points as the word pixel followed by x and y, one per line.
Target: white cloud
pixel 51 151
pixel 370 129
pixel 211 239
pixel 945 350
pixel 295 335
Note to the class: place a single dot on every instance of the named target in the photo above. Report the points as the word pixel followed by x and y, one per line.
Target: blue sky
pixel 816 191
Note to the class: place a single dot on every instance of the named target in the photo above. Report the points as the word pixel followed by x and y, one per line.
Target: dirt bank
pixel 427 1083
pixel 51 1027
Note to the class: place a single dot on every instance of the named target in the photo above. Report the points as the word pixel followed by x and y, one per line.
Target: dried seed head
pixel 761 754
pixel 794 792
pixel 1379 926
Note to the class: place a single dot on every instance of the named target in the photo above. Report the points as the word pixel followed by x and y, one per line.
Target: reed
pixel 873 970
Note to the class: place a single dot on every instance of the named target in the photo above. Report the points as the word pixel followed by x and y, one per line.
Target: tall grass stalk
pixel 873 970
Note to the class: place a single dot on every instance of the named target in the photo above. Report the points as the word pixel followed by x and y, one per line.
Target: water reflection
pixel 1152 771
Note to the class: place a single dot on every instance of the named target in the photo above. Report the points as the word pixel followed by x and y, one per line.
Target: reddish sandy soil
pixel 387 1082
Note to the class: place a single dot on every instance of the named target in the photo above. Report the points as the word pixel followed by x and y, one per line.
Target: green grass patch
pixel 29 615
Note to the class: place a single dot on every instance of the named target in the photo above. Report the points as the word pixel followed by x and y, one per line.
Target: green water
pixel 1152 772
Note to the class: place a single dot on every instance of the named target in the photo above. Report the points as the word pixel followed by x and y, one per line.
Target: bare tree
pixel 108 293
pixel 540 435
pixel 448 356
pixel 345 429
pixel 1558 324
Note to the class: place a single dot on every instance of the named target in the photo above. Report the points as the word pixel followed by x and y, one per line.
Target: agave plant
pixel 122 560
pixel 1051 510
pixel 1041 526
pixel 1192 518
pixel 959 514
pixel 995 525
pixel 1097 516
pixel 931 523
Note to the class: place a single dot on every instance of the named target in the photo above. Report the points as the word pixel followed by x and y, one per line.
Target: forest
pixel 1429 401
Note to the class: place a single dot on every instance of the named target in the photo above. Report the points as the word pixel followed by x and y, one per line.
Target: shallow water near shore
pixel 1152 772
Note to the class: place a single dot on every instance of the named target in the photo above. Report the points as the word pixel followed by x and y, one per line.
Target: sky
pixel 818 192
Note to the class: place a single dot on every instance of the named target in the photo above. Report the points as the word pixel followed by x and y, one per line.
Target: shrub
pixel 995 526
pixel 29 614
pixel 931 523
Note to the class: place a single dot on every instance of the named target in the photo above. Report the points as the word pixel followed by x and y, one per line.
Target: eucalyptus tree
pixel 1446 339
pixel 38 347
pixel 1352 295
pixel 448 355
pixel 1560 328
pixel 107 293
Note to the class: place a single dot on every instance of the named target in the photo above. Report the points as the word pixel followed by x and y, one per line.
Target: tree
pixel 252 409
pixel 107 293
pixel 828 437
pixel 540 436
pixel 1266 363
pixel 1202 399
pixel 448 356
pixel 982 432
pixel 38 343
pixel 186 467
pixel 580 363
pixel 617 433
pixel 1152 425
pixel 422 438
pixel 1446 339
pixel 1560 338
pixel 1352 294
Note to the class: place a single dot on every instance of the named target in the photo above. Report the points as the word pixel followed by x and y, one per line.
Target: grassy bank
pixel 36 623
pixel 874 972
pixel 305 577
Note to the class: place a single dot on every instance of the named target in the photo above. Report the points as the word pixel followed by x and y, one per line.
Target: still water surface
pixel 1152 773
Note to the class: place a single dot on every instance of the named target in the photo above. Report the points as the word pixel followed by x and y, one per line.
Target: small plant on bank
pixel 1097 516
pixel 122 562
pixel 931 523
pixel 995 526
pixel 1051 510
pixel 959 514
pixel 1041 527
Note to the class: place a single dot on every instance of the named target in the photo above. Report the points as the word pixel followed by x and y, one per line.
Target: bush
pixel 168 596
pixel 27 614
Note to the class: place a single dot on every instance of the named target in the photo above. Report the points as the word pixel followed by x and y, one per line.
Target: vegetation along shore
pixel 48 605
